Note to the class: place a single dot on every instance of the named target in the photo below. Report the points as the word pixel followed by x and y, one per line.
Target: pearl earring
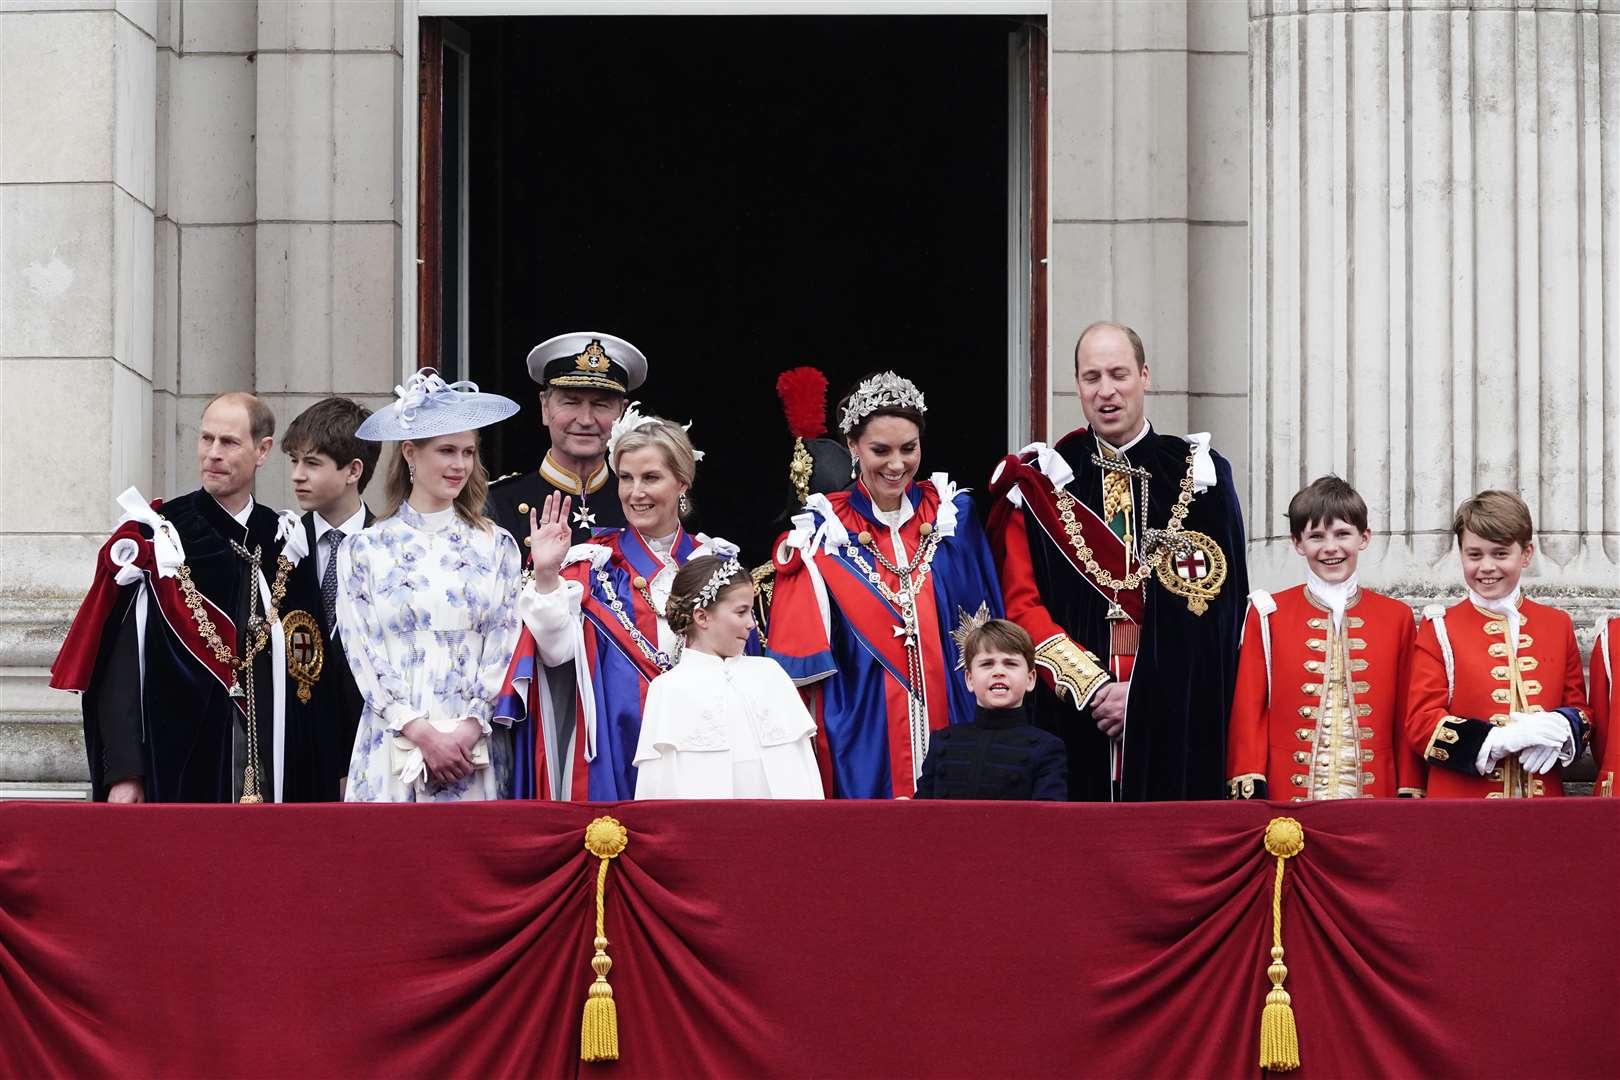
pixel 854 466
pixel 684 505
pixel 412 470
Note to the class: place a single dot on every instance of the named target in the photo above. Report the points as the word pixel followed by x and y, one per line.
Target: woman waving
pixel 871 584
pixel 601 605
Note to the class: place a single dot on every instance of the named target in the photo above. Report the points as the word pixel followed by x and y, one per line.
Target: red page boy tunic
pixel 1466 677
pixel 1318 711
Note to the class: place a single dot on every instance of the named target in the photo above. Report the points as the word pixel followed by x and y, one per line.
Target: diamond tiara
pixel 717 582
pixel 883 391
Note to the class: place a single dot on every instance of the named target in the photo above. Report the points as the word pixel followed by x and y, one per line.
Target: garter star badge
pixel 305 653
pixel 1194 569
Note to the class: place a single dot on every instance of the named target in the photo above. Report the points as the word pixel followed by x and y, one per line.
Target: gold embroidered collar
pixel 563 480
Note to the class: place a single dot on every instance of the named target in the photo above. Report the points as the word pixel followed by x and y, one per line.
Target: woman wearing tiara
pixel 871 585
pixel 427 606
pixel 721 725
pixel 601 605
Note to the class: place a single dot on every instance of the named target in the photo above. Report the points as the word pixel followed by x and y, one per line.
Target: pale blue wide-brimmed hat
pixel 427 406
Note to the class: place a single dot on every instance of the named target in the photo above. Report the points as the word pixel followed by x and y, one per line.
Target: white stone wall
pixel 78 87
pixel 195 196
pixel 78 91
pixel 1435 307
pixel 327 174
pixel 1149 203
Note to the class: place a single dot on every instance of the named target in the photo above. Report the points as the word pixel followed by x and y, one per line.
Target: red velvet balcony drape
pixel 841 939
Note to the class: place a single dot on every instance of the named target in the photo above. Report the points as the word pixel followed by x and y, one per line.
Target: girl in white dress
pixel 722 725
pixel 427 606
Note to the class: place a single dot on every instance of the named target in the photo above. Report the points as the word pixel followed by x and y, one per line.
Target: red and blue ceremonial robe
pixel 601 627
pixel 878 682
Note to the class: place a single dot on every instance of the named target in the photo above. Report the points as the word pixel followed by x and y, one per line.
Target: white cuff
pixel 398 714
pixel 551 618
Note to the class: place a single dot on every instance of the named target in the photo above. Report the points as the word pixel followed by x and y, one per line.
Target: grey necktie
pixel 333 540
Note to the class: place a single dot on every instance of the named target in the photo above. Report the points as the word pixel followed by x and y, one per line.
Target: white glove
pixel 1553 730
pixel 1538 760
pixel 1525 730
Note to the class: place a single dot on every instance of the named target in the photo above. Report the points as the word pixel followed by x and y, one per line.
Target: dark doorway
pixel 737 196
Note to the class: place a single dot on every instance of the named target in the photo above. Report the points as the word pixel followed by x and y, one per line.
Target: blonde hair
pixel 469 503
pixel 669 438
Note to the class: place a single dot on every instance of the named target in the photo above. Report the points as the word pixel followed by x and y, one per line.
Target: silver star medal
pixel 584 518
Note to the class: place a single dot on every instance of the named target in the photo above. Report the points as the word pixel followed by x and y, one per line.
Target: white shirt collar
pixel 241 517
pixel 1140 435
pixel 1508 608
pixel 1507 605
pixel 1336 596
pixel 354 524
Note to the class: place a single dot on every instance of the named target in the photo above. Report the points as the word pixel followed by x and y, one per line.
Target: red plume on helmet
pixel 803 391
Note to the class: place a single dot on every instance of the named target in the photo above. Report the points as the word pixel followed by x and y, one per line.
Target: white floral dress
pixel 426 605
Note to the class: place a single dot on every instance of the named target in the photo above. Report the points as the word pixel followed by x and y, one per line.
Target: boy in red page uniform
pixel 1606 706
pixel 1322 674
pixel 1498 700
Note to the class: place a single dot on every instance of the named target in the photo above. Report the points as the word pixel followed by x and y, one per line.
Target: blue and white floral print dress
pixel 427 609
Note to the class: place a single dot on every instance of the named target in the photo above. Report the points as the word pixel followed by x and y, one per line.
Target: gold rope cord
pixel 605 838
pixel 1279 1039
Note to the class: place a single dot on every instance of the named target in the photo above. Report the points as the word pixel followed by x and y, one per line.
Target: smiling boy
pixel 999 754
pixel 1322 674
pixel 1498 698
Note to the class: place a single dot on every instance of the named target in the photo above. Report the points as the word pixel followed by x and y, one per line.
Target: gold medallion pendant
pixel 305 653
pixel 1196 569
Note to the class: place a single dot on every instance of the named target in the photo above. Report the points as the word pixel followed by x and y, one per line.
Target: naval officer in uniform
pixel 584 379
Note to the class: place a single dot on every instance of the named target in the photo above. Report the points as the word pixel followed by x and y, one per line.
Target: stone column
pixel 195 196
pixel 327 171
pixel 206 236
pixel 1434 301
pixel 1149 121
pixel 77 190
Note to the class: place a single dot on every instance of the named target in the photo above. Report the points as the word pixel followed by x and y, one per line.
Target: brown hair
pixel 683 591
pixel 1105 324
pixel 1499 516
pixel 905 413
pixel 1326 499
pixel 327 427
pixel 261 420
pixel 1002 636
pixel 469 504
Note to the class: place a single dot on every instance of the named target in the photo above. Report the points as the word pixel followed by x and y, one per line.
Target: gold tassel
pixel 1279 1040
pixel 599 1027
pixel 250 786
